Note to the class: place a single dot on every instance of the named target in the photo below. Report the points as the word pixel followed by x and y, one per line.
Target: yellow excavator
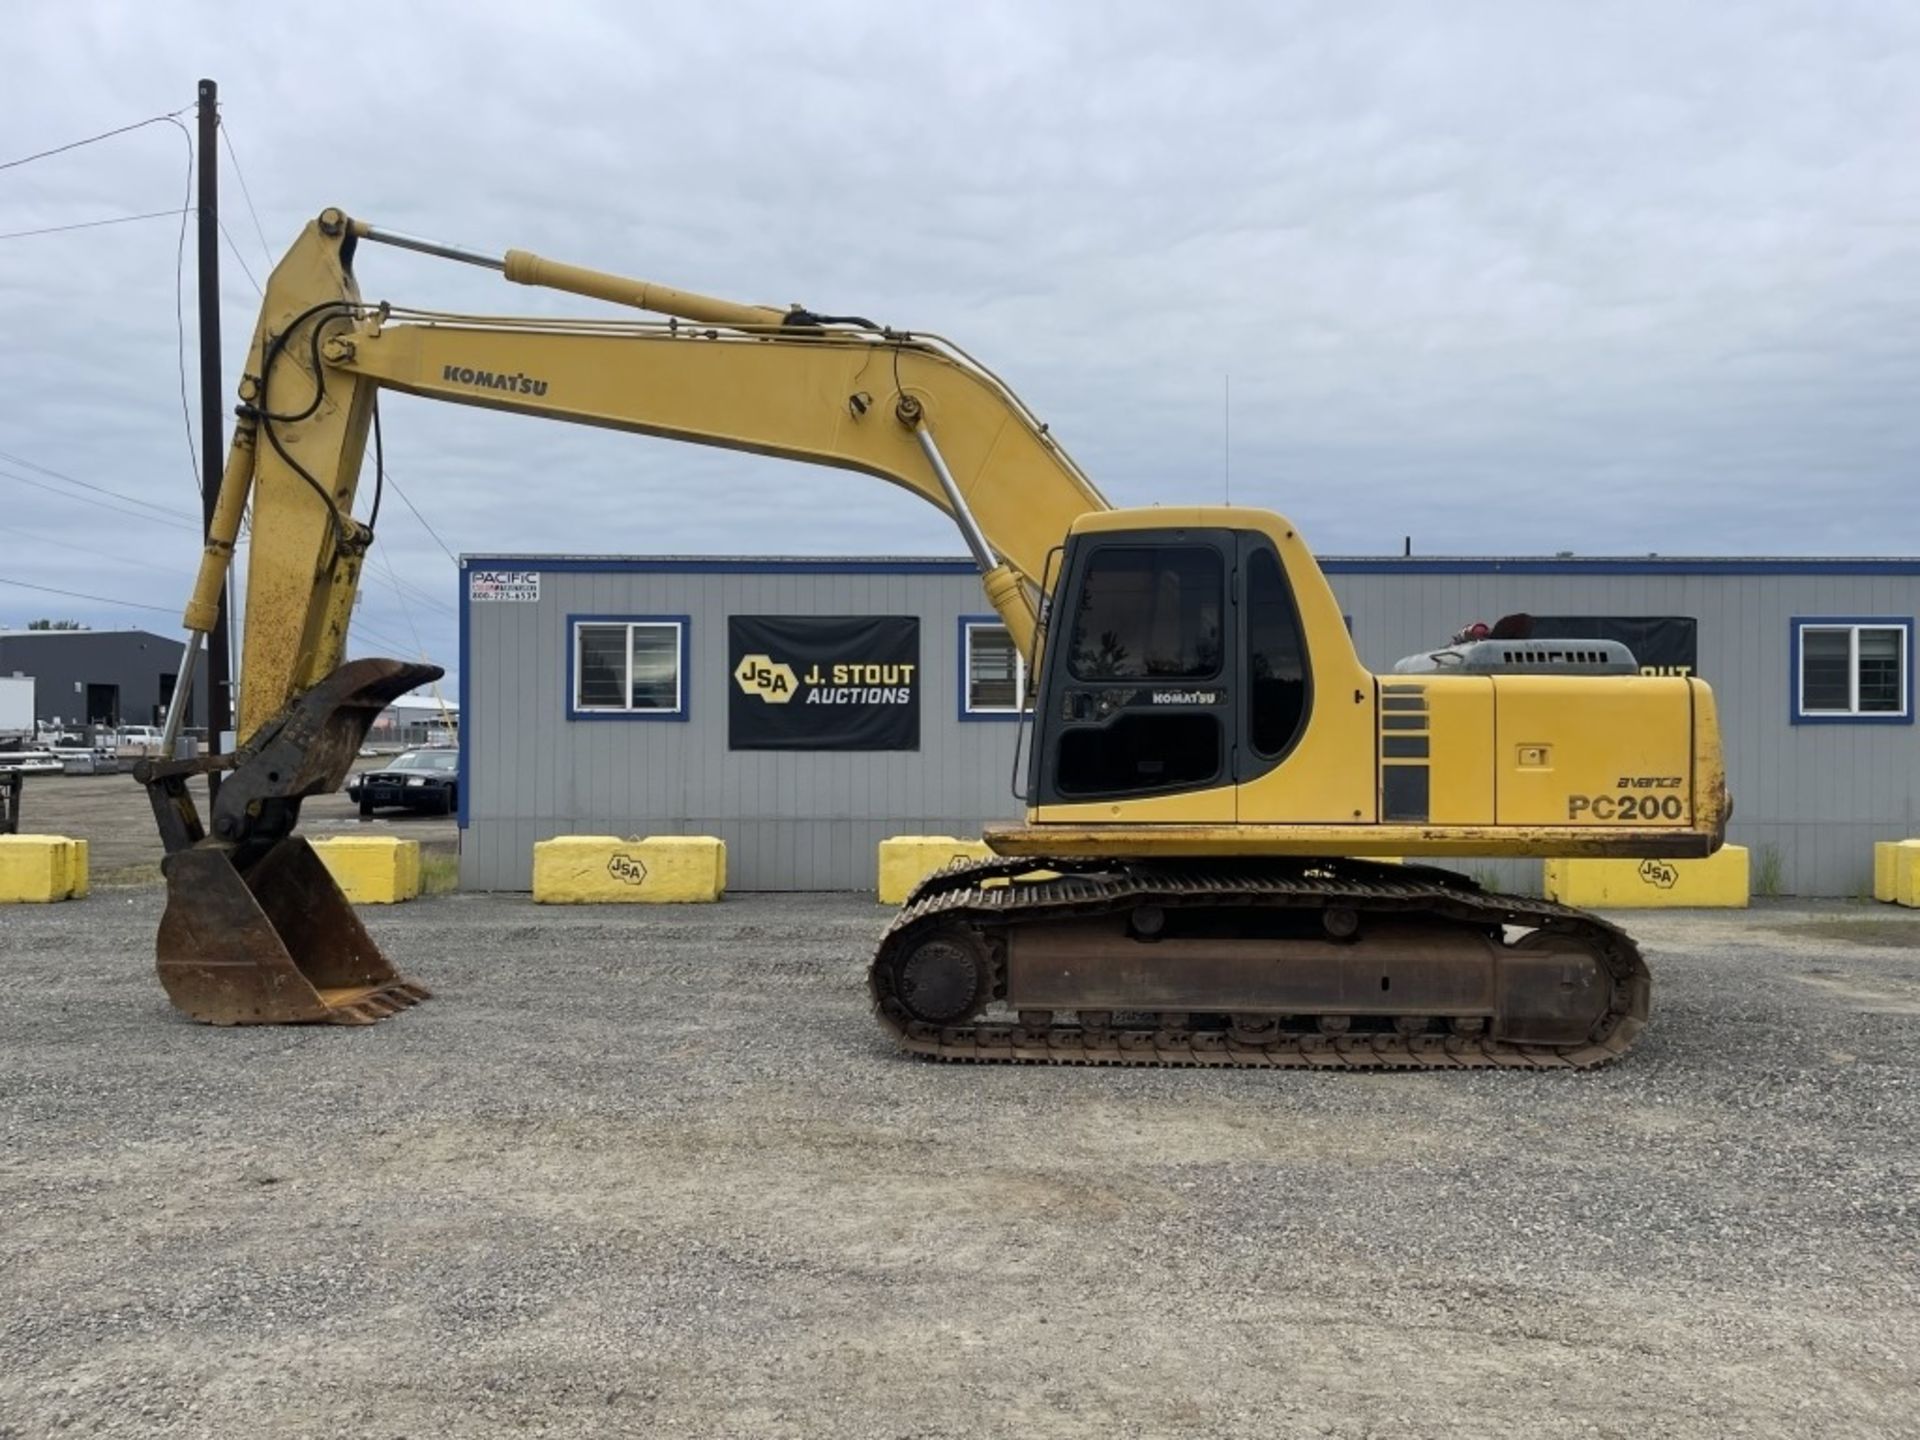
pixel 1209 765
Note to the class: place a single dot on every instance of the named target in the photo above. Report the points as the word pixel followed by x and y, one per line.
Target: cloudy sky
pixel 1507 278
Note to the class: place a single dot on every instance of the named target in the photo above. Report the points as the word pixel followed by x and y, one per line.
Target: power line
pixel 241 175
pixel 425 597
pixel 94 139
pixel 47 470
pixel 384 638
pixel 179 304
pixel 238 256
pixel 179 255
pixel 423 520
pixel 79 595
pixel 45 539
pixel 404 592
pixel 406 611
pixel 86 225
pixel 103 504
pixel 359 626
pixel 412 629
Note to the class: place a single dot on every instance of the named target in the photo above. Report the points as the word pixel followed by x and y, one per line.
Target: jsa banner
pixel 824 682
pixel 1663 644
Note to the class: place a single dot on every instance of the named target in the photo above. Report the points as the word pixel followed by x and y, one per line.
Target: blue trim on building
pixel 466 709
pixel 960 695
pixel 629 565
pixel 1652 565
pixel 1332 565
pixel 1801 622
pixel 685 622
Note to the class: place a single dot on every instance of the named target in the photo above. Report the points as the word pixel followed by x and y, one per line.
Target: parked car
pixel 137 742
pixel 426 780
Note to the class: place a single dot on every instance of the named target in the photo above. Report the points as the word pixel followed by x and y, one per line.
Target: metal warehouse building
pixel 641 696
pixel 100 677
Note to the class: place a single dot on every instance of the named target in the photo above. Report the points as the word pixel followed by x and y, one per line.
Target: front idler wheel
pixel 943 977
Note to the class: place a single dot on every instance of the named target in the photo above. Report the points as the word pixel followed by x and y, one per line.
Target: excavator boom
pixel 909 409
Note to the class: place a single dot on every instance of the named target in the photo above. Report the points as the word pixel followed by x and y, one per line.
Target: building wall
pixel 1814 796
pixel 792 820
pixel 1810 799
pixel 134 660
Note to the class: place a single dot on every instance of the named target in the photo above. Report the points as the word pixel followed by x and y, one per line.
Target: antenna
pixel 1226 449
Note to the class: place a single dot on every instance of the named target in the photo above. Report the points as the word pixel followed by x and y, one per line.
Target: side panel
pixel 1600 752
pixel 1712 803
pixel 1437 751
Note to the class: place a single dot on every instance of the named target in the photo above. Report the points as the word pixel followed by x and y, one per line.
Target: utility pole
pixel 213 442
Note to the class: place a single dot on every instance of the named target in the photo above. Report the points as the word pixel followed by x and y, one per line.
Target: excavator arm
pixel 255 931
pixel 909 409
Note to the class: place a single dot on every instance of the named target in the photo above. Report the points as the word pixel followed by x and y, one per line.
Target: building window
pixel 993 672
pixel 632 668
pixel 1856 671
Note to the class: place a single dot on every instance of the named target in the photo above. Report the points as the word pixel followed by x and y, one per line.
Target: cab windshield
pixel 447 760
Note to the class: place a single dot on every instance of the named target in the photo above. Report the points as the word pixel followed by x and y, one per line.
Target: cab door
pixel 1139 714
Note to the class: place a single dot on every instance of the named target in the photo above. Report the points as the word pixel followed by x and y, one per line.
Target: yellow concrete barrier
pixel 372 869
pixel 604 869
pixel 1896 872
pixel 39 869
pixel 1718 882
pixel 906 860
pixel 1894 860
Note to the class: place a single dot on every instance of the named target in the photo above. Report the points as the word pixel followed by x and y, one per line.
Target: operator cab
pixel 1175 661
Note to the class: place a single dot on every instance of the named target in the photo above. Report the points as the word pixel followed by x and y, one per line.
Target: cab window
pixel 1149 612
pixel 1276 658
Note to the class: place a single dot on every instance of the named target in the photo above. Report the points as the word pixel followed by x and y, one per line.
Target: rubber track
pixel 959 896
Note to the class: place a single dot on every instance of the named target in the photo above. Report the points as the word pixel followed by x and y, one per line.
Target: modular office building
pixel 805 709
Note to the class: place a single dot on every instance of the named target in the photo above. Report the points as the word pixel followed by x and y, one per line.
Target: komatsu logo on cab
pixel 518 383
pixel 772 680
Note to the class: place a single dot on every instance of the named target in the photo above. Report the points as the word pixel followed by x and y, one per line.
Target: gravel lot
pixel 655 1172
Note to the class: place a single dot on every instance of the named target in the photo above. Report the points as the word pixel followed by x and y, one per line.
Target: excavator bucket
pixel 278 945
pixel 255 930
